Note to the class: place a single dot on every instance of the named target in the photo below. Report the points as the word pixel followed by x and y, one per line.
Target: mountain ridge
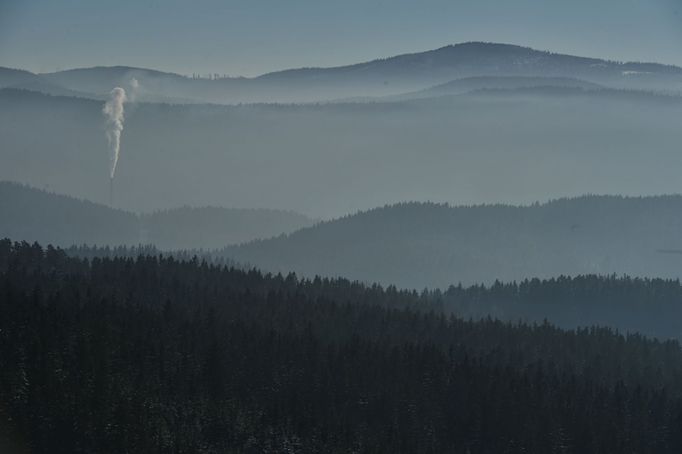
pixel 490 46
pixel 481 45
pixel 417 245
pixel 34 214
pixel 383 76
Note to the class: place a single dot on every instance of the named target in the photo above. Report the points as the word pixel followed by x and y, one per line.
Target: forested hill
pixel 160 355
pixel 32 214
pixel 37 215
pixel 421 245
pixel 382 76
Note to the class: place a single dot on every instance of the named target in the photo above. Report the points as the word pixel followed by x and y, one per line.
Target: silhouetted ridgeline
pixel 419 245
pixel 486 83
pixel 132 252
pixel 159 355
pixel 400 73
pixel 36 215
pixel 649 306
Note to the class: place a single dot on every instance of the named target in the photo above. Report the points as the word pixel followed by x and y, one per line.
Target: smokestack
pixel 113 112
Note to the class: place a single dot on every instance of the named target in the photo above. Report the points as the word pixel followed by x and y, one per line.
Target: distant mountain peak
pixel 486 46
pixel 389 76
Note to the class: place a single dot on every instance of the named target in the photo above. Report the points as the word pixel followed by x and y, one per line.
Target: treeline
pixel 434 245
pixel 651 306
pixel 92 252
pixel 156 354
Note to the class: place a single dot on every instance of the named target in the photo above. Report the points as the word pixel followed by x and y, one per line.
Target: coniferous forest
pixel 156 354
pixel 358 227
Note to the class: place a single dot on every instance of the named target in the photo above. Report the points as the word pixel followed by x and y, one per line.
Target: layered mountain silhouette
pixel 11 77
pixel 411 245
pixel 389 76
pixel 31 214
pixel 419 245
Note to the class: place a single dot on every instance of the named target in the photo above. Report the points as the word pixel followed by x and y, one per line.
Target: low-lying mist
pixel 517 146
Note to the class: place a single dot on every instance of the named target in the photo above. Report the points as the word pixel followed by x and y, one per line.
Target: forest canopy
pixel 156 354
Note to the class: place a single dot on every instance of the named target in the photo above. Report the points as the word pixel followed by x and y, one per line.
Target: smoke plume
pixel 113 111
pixel 134 87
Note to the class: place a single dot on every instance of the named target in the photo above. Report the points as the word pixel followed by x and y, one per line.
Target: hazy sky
pixel 249 37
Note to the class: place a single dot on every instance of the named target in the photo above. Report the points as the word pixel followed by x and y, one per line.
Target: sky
pixel 251 37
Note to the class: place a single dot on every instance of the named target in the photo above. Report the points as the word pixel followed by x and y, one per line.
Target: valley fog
pixel 375 242
pixel 512 146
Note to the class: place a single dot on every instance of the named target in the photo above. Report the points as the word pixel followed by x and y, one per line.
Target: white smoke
pixel 113 111
pixel 134 88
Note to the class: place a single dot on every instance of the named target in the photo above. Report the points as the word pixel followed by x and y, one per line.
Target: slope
pixel 388 76
pixel 35 215
pixel 418 245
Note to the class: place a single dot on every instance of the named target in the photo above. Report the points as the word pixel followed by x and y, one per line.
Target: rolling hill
pixel 381 77
pixel 417 245
pixel 477 59
pixel 35 215
pixel 483 83
pixel 10 77
pixel 469 84
pixel 32 214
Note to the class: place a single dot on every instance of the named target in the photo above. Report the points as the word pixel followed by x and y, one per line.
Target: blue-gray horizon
pixel 240 38
pixel 376 59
